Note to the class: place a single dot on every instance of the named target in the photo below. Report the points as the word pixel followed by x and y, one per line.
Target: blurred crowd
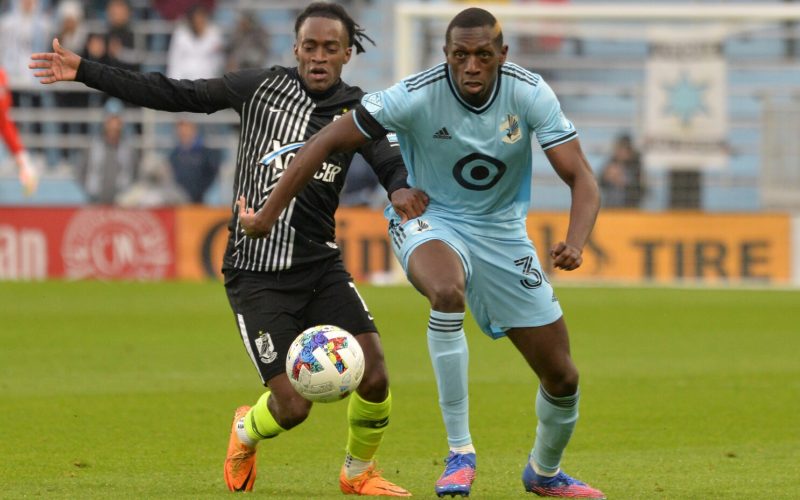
pixel 102 30
pixel 110 169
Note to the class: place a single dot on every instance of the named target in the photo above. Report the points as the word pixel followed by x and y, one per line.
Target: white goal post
pixel 406 14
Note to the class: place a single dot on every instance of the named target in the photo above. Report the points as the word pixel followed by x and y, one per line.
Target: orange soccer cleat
pixel 240 464
pixel 370 483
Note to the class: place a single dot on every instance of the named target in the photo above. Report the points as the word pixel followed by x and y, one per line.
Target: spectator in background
pixel 154 187
pixel 110 167
pixel 71 32
pixel 23 28
pixel 120 40
pixel 248 46
pixel 791 44
pixel 115 46
pixel 197 49
pixel 27 174
pixel 612 184
pixel 621 178
pixel 96 50
pixel 194 166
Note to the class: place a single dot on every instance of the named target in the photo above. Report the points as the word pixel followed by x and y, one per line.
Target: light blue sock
pixel 447 346
pixel 557 418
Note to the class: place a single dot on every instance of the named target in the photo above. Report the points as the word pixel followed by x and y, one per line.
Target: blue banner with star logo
pixel 686 110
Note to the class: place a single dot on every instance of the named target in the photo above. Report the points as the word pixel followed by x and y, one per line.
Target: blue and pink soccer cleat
pixel 561 485
pixel 459 472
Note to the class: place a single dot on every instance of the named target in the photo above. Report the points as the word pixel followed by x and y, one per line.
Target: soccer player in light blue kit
pixel 465 130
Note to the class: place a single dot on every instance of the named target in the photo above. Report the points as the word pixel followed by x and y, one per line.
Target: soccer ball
pixel 325 364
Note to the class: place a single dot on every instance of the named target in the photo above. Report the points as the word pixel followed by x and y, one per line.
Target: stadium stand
pixel 600 81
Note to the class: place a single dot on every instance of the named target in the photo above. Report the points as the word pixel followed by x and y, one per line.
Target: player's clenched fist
pixel 566 257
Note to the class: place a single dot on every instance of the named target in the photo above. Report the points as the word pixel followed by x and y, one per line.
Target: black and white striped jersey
pixel 278 114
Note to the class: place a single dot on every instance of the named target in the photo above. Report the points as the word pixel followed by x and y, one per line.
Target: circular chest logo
pixel 478 172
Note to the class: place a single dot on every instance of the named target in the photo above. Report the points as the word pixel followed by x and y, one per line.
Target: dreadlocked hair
pixel 355 32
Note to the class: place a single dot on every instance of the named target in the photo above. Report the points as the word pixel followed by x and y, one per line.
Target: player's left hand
pixel 409 203
pixel 249 221
pixel 566 257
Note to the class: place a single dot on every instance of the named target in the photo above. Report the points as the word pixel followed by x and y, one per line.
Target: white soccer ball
pixel 325 364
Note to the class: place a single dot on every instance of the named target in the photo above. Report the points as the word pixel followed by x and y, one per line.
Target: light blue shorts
pixel 506 285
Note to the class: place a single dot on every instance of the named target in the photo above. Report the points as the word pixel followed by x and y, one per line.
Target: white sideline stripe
pixel 246 340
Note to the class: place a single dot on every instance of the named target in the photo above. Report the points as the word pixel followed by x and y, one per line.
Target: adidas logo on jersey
pixel 442 133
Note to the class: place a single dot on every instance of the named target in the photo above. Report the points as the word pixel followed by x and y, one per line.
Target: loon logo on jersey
pixel 280 155
pixel 510 127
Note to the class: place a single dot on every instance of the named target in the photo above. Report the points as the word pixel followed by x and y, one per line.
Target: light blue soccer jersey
pixel 474 163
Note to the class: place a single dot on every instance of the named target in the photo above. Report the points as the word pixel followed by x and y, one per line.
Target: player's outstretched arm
pixel 58 66
pixel 337 137
pixel 572 166
pixel 149 90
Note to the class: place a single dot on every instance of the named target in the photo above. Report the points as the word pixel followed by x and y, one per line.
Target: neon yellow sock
pixel 368 422
pixel 259 422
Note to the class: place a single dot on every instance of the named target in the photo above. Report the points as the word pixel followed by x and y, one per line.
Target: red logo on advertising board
pixel 108 243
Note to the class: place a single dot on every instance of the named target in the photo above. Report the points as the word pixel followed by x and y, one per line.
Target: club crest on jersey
pixel 266 350
pixel 510 127
pixel 280 155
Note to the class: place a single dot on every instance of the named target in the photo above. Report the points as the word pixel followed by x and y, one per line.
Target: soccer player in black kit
pixel 295 279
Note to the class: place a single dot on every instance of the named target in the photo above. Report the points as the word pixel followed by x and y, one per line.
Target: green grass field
pixel 126 390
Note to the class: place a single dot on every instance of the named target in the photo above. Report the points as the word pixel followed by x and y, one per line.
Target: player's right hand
pixel 250 222
pixel 409 203
pixel 566 256
pixel 57 66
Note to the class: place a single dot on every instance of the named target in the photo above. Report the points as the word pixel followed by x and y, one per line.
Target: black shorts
pixel 272 308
